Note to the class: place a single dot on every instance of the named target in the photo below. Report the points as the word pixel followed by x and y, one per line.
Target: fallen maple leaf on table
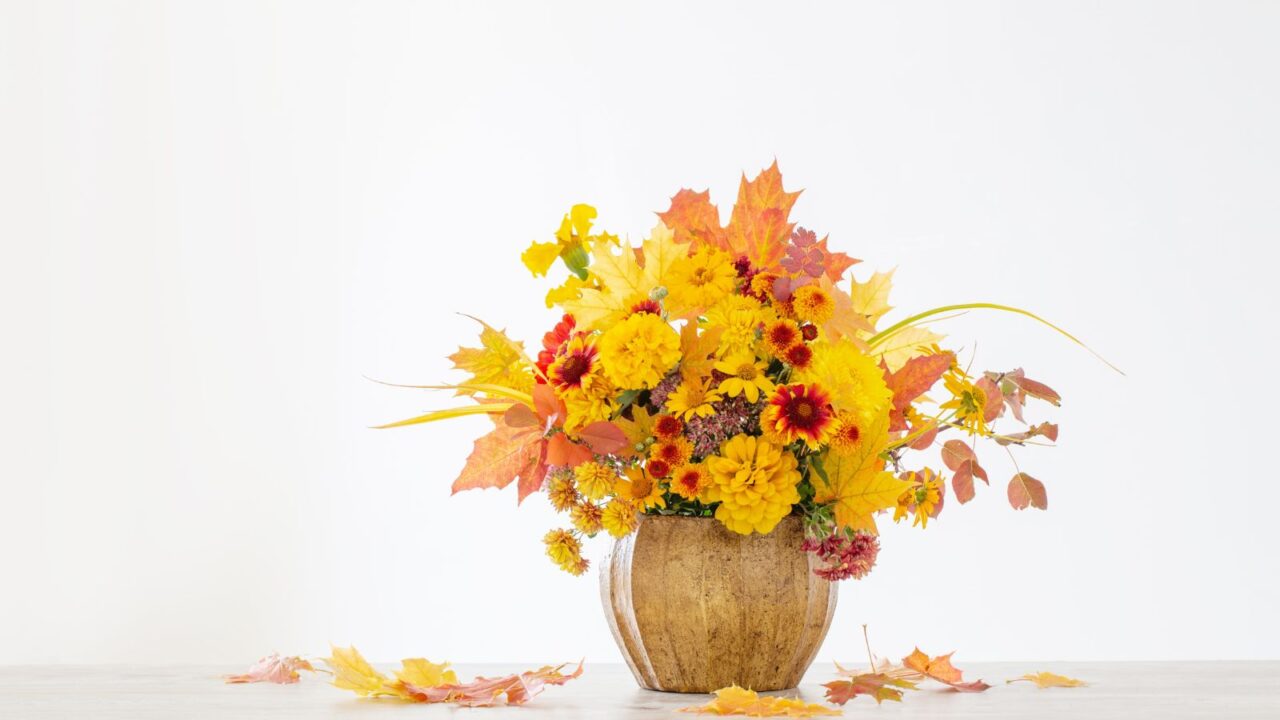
pixel 734 700
pixel 1049 680
pixel 878 685
pixel 273 669
pixel 423 681
pixel 940 668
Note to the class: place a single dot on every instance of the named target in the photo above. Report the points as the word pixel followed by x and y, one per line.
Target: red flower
pixel 552 342
pixel 666 427
pixel 575 359
pixel 799 356
pixel 799 412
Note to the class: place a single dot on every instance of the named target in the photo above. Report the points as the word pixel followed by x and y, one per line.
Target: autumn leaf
pixel 603 437
pixel 621 279
pixel 637 428
pixel 697 350
pixel 352 672
pixel 734 700
pixel 844 322
pixel 1026 491
pixel 879 686
pixel 694 220
pixel 758 227
pixel 809 256
pixel 273 669
pixel 661 251
pixel 1049 680
pixel 912 380
pixel 904 344
pixel 871 299
pixel 940 668
pixel 501 456
pixel 960 460
pixel 1046 430
pixel 498 361
pixel 515 689
pixel 858 483
pixel 995 399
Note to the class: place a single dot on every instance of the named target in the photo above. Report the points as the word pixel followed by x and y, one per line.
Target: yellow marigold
pixel 586 516
pixel 639 351
pixel 690 481
pixel 698 281
pixel 674 452
pixel 565 550
pixel 922 500
pixel 620 518
pixel 812 303
pixel 780 336
pixel 755 482
pixel 594 480
pixel 692 399
pixel 561 492
pixel 850 377
pixel 640 489
pixel 746 376
pixel 739 318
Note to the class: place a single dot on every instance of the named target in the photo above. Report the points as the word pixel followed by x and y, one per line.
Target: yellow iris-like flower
pixel 566 551
pixel 968 401
pixel 640 489
pixel 569 241
pixel 639 351
pixel 739 318
pixel 620 518
pixel 755 482
pixel 921 500
pixel 746 376
pixel 851 378
pixel 699 281
pixel 692 399
pixel 594 480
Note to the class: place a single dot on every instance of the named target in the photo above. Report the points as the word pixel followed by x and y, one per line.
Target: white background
pixel 216 217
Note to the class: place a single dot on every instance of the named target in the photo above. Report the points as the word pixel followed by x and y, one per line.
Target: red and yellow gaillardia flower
pixel 799 412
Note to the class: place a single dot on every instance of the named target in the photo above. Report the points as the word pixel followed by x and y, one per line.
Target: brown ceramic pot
pixel 695 607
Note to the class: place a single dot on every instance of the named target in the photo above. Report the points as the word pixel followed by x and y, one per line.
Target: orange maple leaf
pixel 940 668
pixel 694 219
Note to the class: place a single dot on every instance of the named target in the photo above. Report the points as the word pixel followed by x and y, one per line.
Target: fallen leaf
pixel 879 686
pixel 734 700
pixel 1049 680
pixel 486 692
pixel 1026 491
pixel 940 668
pixel 273 669
pixel 352 672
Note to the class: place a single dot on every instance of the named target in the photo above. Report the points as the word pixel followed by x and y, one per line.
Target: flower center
pixel 573 368
pixel 804 410
pixel 746 371
pixel 701 276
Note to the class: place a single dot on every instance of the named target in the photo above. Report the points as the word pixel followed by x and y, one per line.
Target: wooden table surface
pixel 1168 691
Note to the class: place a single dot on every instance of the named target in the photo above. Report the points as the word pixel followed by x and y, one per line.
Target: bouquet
pixel 738 373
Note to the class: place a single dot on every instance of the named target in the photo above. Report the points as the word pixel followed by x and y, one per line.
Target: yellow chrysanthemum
pixel 692 399
pixel 561 492
pixel 746 376
pixel 674 452
pixel 922 499
pixel 739 318
pixel 594 480
pixel 586 516
pixel 755 482
pixel 968 401
pixel 566 551
pixel 813 304
pixel 690 481
pixel 620 518
pixel 698 281
pixel 851 378
pixel 640 489
pixel 590 401
pixel 639 351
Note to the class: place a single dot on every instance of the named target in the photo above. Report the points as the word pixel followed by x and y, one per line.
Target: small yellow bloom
pixel 565 550
pixel 592 400
pixel 739 318
pixel 967 400
pixel 640 489
pixel 692 399
pixel 746 376
pixel 698 281
pixel 586 516
pixel 639 351
pixel 595 480
pixel 561 492
pixel 921 500
pixel 620 518
pixel 755 482
pixel 690 481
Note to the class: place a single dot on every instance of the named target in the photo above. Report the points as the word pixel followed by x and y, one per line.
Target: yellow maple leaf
pixel 905 344
pixel 498 361
pixel 352 672
pixel 1049 680
pixel 697 350
pixel 661 251
pixel 638 428
pixel 734 700
pixel 424 673
pixel 871 299
pixel 857 481
pixel 619 280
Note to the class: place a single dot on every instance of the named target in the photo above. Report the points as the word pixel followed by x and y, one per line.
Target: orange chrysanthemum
pixel 799 412
pixel 689 481
pixel 799 357
pixel 780 336
pixel 812 303
pixel 674 452
pixel 577 359
pixel 847 435
pixel 666 427
pixel 587 517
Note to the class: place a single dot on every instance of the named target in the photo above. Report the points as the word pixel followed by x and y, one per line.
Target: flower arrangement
pixel 732 372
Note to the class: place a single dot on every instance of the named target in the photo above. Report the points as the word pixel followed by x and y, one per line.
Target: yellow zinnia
pixel 746 376
pixel 755 482
pixel 639 351
pixel 698 281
